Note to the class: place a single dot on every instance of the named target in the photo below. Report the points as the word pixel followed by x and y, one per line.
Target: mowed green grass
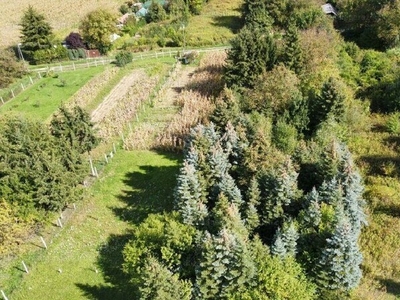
pixel 40 100
pixel 217 23
pixel 83 260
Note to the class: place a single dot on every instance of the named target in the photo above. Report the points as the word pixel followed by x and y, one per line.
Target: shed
pixel 141 13
pixel 329 9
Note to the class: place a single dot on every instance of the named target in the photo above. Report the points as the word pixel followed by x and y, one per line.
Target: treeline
pixel 42 169
pixel 269 203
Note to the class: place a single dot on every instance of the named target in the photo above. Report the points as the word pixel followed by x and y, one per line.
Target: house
pixel 329 9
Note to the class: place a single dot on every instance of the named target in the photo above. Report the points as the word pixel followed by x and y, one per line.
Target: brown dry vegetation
pixel 113 116
pixel 195 101
pixel 64 16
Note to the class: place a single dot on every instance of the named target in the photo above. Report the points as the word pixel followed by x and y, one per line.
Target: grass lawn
pixel 83 260
pixel 216 24
pixel 41 100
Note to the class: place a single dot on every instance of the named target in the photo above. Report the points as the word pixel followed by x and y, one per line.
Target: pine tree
pixel 312 213
pixel 225 267
pixel 292 55
pixel 253 52
pixel 36 33
pixel 252 219
pixel 189 197
pixel 158 283
pixel 279 190
pixel 285 241
pixel 341 259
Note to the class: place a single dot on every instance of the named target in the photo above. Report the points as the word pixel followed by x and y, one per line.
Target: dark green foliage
pixel 36 33
pixel 123 58
pixel 252 219
pixel 253 52
pixel 10 68
pixel 155 13
pixel 331 102
pixel 75 128
pixel 161 237
pixel 158 283
pixel 226 109
pixel 55 53
pixel 284 137
pixel 34 174
pixel 292 55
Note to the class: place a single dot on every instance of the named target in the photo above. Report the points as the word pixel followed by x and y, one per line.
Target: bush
pixel 123 58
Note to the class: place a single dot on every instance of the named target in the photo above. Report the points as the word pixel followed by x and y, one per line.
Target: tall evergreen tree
pixel 339 266
pixel 293 55
pixel 253 51
pixel 252 219
pixel 36 33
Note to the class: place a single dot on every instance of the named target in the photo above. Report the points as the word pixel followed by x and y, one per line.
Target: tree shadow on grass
pixel 110 262
pixel 233 23
pixel 150 191
pixel 392 287
pixel 382 165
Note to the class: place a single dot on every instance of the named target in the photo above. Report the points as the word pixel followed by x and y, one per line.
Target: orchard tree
pixel 36 33
pixel 96 28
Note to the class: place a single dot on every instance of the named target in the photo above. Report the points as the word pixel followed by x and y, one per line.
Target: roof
pixel 141 12
pixel 329 9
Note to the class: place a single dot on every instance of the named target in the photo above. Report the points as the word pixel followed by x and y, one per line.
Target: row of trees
pixel 40 46
pixel 42 168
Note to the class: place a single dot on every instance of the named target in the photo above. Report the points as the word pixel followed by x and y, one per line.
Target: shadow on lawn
pixel 234 23
pixel 392 287
pixel 150 191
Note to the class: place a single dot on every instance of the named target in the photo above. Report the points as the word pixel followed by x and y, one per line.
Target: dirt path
pixel 116 94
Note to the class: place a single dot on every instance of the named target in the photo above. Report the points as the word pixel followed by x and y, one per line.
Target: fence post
pixel 43 242
pixel 30 78
pixel 4 295
pixel 25 267
pixel 91 167
pixel 2 101
pixel 22 86
pixel 12 93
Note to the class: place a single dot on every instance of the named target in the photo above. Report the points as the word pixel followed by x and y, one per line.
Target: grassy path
pixel 83 260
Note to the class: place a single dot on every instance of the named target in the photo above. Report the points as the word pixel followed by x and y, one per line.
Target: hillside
pixel 63 16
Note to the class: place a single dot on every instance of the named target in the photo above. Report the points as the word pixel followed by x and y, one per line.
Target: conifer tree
pixel 252 219
pixel 226 266
pixel 285 241
pixel 279 190
pixel 253 52
pixel 189 197
pixel 341 259
pixel 158 283
pixel 312 214
pixel 292 55
pixel 36 33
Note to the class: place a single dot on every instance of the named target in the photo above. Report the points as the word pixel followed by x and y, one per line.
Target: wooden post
pixel 96 173
pixel 61 69
pixel 130 127
pixel 61 215
pixel 2 101
pixel 31 80
pixel 91 167
pixel 22 86
pixel 3 295
pixel 25 267
pixel 73 64
pixel 111 154
pixel 40 76
pixel 115 149
pixel 59 222
pixel 137 118
pixel 12 93
pixel 74 206
pixel 105 156
pixel 122 136
pixel 43 242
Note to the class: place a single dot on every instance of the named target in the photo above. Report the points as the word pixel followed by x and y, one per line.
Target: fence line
pixel 36 74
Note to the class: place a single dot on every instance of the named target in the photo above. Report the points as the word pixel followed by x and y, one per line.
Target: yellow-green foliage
pixel 12 228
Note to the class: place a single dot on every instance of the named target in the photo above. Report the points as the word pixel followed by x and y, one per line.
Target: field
pixel 40 100
pixel 217 24
pixel 64 16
